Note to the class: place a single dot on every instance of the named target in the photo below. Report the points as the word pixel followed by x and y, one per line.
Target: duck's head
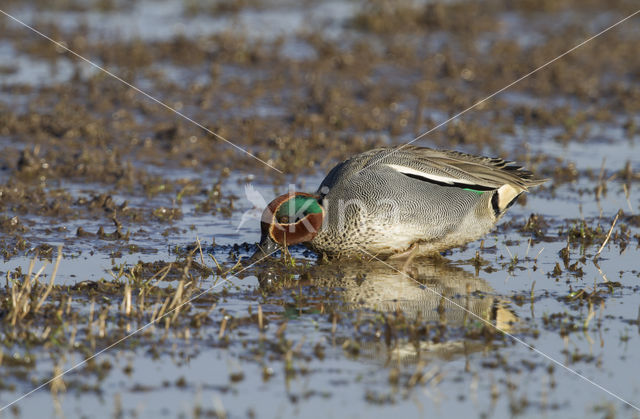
pixel 290 219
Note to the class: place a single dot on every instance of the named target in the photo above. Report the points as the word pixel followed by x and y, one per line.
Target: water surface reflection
pixel 427 310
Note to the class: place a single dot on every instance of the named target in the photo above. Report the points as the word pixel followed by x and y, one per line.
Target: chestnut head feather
pixel 291 219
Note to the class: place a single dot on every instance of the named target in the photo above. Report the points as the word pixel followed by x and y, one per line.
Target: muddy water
pixel 129 189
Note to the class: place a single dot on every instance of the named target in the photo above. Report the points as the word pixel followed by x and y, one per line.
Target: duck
pixel 397 202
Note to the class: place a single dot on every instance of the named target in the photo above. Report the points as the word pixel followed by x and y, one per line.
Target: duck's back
pixel 385 200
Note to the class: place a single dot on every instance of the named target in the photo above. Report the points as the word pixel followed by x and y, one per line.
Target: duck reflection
pixel 458 310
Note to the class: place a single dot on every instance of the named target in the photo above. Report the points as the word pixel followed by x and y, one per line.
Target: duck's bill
pixel 266 247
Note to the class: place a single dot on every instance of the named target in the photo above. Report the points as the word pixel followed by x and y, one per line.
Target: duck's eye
pixel 283 219
pixel 296 209
pixel 287 219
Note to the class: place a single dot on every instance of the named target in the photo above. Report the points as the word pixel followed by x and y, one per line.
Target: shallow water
pixel 304 88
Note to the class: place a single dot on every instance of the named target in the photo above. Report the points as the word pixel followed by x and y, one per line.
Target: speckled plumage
pixel 386 200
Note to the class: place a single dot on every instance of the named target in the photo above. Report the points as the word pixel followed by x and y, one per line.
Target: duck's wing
pixel 452 168
pixel 506 179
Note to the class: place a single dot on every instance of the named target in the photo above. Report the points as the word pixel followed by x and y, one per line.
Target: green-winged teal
pixel 397 201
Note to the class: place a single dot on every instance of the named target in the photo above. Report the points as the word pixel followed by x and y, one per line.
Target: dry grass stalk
pixel 92 308
pixel 606 240
pixel 178 302
pixel 126 300
pixel 200 249
pixel 155 313
pixel 177 297
pixel 53 277
pixel 21 294
pixel 162 273
pixel 162 310
pixel 141 301
pixel 102 322
pixel 74 332
pixel 68 309
pixel 45 333
pixel 57 384
pixel 223 326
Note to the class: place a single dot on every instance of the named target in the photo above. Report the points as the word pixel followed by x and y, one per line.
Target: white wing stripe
pixel 435 178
